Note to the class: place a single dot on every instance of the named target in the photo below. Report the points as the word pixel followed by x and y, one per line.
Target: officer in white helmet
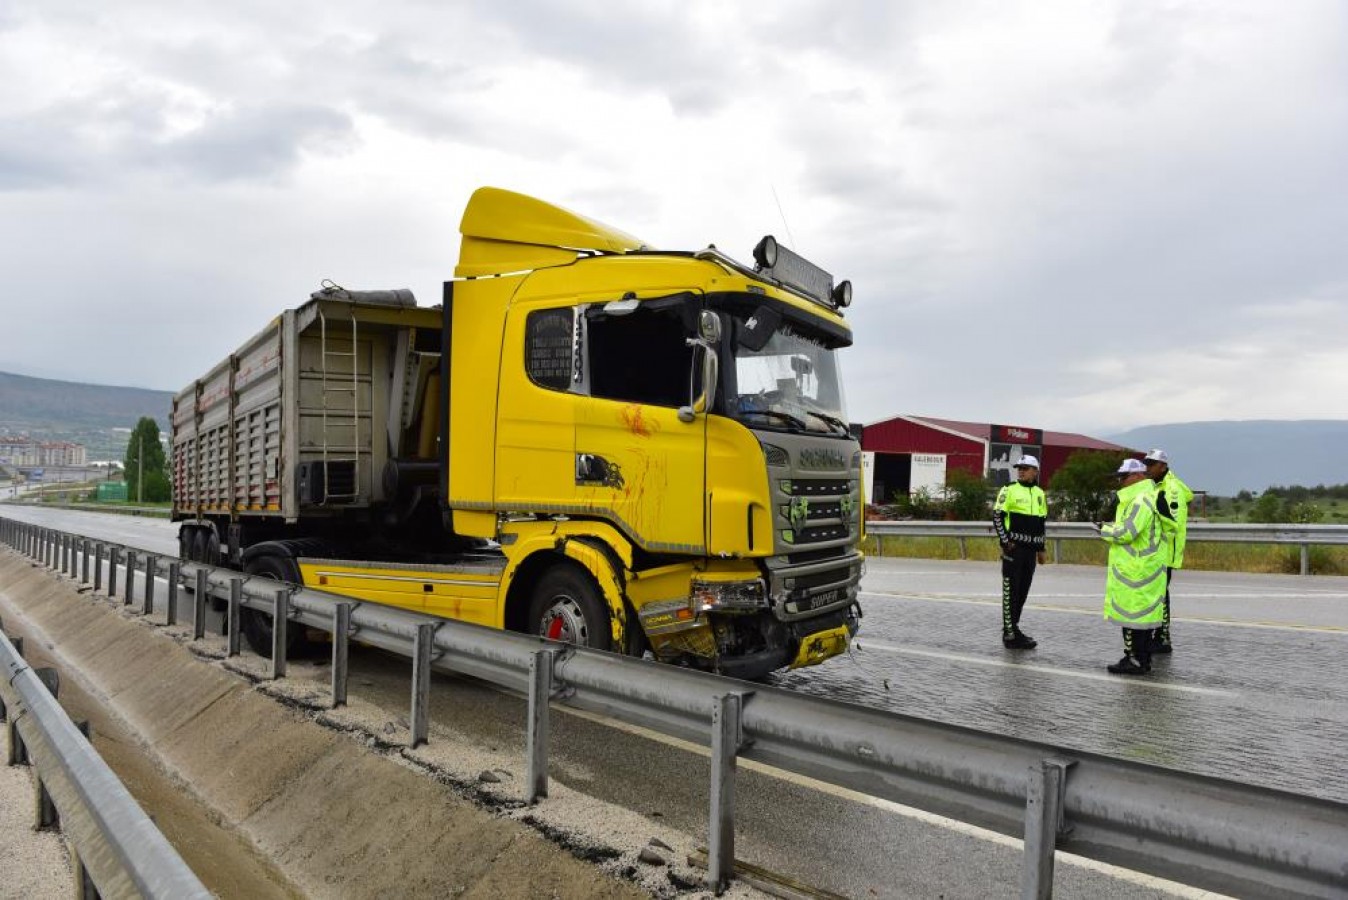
pixel 1019 516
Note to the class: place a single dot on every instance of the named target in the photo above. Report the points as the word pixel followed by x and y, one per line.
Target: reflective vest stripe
pixel 1135 585
pixel 1133 615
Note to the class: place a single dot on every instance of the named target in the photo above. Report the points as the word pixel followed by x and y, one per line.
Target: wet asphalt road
pixel 1256 691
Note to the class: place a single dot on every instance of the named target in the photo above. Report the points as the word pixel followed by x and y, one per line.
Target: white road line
pixel 1172 888
pixel 864 645
pixel 1076 610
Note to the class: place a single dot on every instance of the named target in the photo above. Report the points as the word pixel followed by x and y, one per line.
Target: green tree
pixel 967 495
pixel 152 468
pixel 1268 508
pixel 1083 487
pixel 1306 513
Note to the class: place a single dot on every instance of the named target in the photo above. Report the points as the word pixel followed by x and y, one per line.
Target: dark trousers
pixel 1137 644
pixel 1017 574
pixel 1163 633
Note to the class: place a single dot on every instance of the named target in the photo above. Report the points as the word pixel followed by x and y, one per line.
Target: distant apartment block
pixel 22 451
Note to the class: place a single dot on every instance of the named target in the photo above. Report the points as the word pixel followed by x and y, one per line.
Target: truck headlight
pixel 715 596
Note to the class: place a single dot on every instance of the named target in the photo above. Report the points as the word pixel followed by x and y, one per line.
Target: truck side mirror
pixel 709 337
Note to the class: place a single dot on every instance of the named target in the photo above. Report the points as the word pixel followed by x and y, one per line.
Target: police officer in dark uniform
pixel 1019 515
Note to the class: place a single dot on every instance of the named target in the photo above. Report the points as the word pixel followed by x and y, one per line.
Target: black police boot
pixel 1161 643
pixel 1018 640
pixel 1128 666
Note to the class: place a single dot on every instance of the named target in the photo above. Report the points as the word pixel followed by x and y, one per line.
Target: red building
pixel 908 452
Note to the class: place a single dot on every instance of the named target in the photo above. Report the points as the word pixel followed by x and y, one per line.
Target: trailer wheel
pixel 186 543
pixel 206 547
pixel 256 625
pixel 567 607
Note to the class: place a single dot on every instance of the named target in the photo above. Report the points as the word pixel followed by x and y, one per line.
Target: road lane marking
pixel 1051 607
pixel 863 645
pixel 1172 888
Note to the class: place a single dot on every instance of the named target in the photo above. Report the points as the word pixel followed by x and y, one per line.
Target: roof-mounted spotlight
pixel 842 295
pixel 765 254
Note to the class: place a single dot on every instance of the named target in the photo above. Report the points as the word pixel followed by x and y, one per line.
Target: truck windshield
pixel 792 384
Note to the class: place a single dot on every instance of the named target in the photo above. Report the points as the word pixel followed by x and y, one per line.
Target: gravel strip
pixel 36 864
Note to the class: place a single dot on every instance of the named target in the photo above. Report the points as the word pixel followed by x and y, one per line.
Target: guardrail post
pixel 44 810
pixel 98 567
pixel 174 576
pixel 232 620
pixel 113 556
pixel 1057 550
pixel 199 605
pixel 1046 785
pixel 280 624
pixel 964 548
pixel 541 663
pixel 151 569
pixel 84 561
pixel 17 755
pixel 63 552
pixel 341 633
pixel 421 684
pixel 1305 559
pixel 130 577
pixel 725 744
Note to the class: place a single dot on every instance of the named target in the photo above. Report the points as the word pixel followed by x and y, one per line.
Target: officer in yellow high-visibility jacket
pixel 1176 496
pixel 1135 583
pixel 1019 516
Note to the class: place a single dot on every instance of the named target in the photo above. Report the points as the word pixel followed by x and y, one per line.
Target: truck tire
pixel 186 543
pixel 206 547
pixel 256 625
pixel 567 607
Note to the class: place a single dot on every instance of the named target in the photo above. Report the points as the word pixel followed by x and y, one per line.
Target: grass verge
pixel 1214 557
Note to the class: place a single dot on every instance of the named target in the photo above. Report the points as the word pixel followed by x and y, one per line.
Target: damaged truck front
pixel 632 449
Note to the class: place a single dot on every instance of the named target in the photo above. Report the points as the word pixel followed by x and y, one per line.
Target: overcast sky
pixel 1084 216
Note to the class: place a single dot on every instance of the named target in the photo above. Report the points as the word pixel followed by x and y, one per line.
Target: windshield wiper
pixel 799 423
pixel 832 420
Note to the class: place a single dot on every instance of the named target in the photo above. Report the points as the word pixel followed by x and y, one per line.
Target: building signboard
pixel 1009 443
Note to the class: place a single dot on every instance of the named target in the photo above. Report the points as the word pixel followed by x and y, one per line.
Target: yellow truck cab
pixel 630 449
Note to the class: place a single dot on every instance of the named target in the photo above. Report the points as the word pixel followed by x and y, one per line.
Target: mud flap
pixel 821 645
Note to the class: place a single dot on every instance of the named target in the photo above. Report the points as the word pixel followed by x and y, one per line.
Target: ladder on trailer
pixel 334 385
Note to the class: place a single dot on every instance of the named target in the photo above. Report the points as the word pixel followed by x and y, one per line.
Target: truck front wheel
pixel 567 607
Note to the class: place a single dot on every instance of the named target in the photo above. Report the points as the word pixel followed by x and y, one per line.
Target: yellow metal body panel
pixel 656 491
pixel 501 215
pixel 820 646
pixel 739 515
pixel 475 361
pixel 470 597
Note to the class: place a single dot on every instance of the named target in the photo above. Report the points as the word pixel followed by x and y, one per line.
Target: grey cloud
pixel 123 132
pixel 258 142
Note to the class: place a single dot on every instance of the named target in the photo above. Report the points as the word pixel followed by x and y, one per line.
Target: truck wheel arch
pixel 600 564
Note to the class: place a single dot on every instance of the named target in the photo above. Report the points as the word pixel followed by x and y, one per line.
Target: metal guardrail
pixel 1210 832
pixel 1304 536
pixel 119 851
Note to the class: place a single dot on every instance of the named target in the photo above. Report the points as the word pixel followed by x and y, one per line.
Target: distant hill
pixel 84 413
pixel 1226 457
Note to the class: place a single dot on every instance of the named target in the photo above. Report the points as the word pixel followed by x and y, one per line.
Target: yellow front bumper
pixel 821 645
